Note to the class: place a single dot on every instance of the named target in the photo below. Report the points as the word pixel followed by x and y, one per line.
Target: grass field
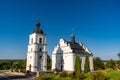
pixel 99 75
pixel 4 70
pixel 114 75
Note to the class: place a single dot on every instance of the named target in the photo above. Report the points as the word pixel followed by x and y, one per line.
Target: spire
pixel 73 38
pixel 38 25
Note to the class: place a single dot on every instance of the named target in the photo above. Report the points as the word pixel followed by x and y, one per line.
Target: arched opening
pixel 30 67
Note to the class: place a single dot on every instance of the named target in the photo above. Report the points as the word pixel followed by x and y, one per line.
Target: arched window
pixel 31 40
pixel 31 49
pixel 40 57
pixel 40 40
pixel 40 49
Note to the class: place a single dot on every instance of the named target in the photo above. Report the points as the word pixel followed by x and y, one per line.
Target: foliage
pixel 5 65
pixel 12 64
pixel 63 74
pixel 87 66
pixel 79 76
pixel 110 64
pixel 98 63
pixel 77 66
pixel 49 62
pixel 99 75
pixel 118 62
pixel 53 77
pixel 118 55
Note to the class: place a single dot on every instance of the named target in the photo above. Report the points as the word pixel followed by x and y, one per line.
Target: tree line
pixel 19 64
pixel 12 64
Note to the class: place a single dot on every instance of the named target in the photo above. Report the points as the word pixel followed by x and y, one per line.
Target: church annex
pixel 64 54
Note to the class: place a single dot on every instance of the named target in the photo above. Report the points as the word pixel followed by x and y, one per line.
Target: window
pixel 40 49
pixel 40 40
pixel 31 40
pixel 31 49
pixel 40 57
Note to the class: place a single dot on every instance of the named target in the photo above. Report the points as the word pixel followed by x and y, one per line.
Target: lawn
pixel 4 70
pixel 114 75
pixel 98 75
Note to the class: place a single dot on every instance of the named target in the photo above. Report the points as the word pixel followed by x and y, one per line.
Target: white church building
pixel 64 54
pixel 37 54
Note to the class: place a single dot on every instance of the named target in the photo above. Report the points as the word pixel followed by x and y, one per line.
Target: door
pixel 30 67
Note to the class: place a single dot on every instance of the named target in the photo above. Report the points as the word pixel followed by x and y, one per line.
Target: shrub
pixel 77 66
pixel 110 64
pixel 98 63
pixel 99 75
pixel 79 76
pixel 87 66
pixel 63 74
pixel 46 77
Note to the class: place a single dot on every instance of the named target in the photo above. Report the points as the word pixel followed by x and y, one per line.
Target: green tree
pixel 98 63
pixel 77 66
pixel 49 62
pixel 110 64
pixel 87 64
pixel 5 64
pixel 118 55
pixel 22 64
pixel 16 65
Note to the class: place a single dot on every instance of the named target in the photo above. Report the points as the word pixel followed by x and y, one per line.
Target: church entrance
pixel 61 65
pixel 30 67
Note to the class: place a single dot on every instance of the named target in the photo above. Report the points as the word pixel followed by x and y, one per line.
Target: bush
pixel 77 66
pixel 87 66
pixel 98 63
pixel 79 76
pixel 99 75
pixel 46 77
pixel 63 74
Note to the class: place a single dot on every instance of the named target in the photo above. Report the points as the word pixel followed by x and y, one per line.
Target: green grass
pixel 4 70
pixel 52 77
pixel 114 75
pixel 102 74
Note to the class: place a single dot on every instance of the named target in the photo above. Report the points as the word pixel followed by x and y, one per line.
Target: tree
pixel 22 64
pixel 98 63
pixel 49 62
pixel 17 65
pixel 118 55
pixel 110 64
pixel 77 66
pixel 87 64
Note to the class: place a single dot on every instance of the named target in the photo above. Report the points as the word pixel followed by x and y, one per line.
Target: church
pixel 64 54
pixel 37 53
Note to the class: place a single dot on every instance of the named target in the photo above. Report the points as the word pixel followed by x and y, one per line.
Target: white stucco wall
pixel 64 50
pixel 33 55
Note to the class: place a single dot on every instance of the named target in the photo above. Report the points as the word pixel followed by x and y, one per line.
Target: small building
pixel 37 54
pixel 64 54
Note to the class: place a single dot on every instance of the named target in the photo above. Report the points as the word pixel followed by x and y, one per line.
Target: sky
pixel 95 23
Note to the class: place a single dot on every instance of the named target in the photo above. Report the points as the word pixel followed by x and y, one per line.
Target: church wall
pixel 68 61
pixel 53 61
pixel 91 63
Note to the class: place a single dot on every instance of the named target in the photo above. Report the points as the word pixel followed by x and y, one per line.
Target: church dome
pixel 38 30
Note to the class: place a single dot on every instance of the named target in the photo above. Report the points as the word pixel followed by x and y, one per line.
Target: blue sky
pixel 95 23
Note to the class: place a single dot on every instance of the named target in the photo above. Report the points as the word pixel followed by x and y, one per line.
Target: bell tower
pixel 37 53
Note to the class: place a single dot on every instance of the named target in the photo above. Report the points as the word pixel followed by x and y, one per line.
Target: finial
pixel 73 38
pixel 38 23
